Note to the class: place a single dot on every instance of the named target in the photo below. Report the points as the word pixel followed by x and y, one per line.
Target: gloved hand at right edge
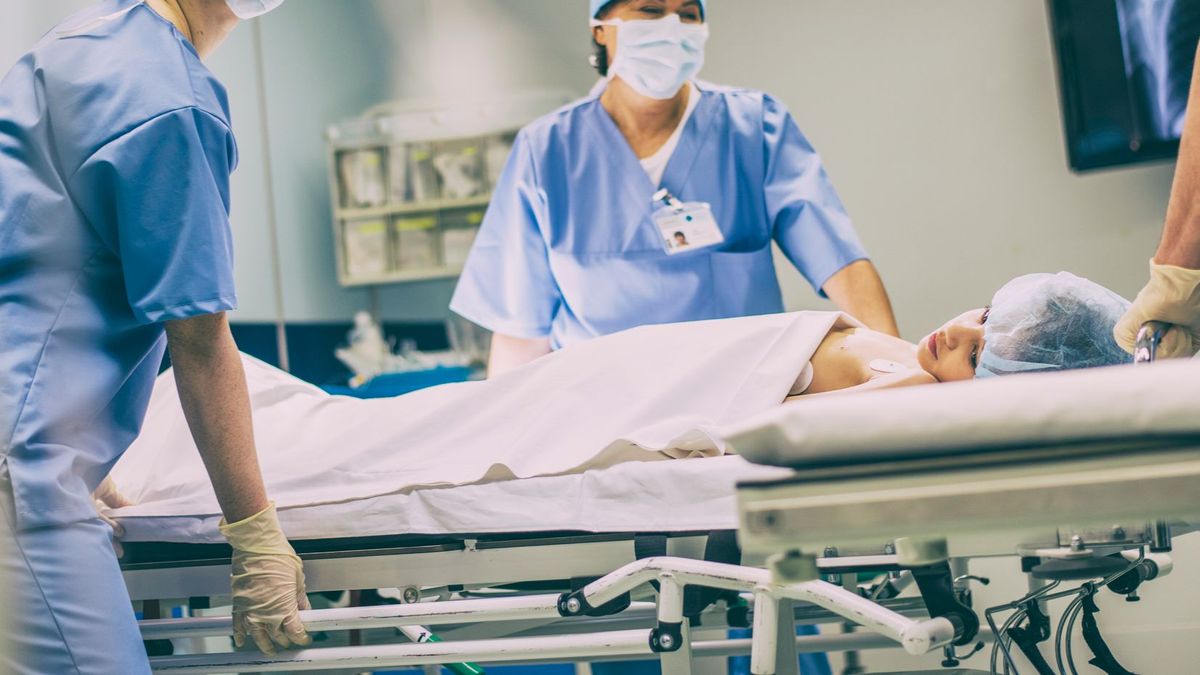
pixel 1172 296
pixel 267 584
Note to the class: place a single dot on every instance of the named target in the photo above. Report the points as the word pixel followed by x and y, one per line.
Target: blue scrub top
pixel 115 155
pixel 569 250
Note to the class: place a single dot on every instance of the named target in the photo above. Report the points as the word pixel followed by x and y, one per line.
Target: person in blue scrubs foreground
pixel 115 156
pixel 578 241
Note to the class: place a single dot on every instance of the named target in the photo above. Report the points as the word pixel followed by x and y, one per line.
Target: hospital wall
pixel 938 121
pixel 326 62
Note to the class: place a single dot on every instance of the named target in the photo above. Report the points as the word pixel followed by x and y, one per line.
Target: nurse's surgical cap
pixel 597 5
pixel 1051 322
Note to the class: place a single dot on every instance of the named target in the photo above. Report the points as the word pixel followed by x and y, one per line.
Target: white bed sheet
pixel 1040 408
pixel 689 495
pixel 649 393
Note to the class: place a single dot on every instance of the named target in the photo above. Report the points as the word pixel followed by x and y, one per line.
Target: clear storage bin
pixel 399 190
pixel 361 173
pixel 415 243
pixel 366 248
pixel 423 177
pixel 460 167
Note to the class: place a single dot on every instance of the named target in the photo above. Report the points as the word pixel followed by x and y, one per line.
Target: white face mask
pixel 657 56
pixel 248 9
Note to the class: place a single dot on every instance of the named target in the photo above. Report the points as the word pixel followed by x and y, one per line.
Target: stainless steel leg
pixel 786 659
pixel 670 612
pixel 765 632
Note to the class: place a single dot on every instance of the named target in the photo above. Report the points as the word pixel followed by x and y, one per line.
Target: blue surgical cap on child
pixel 596 5
pixel 1051 322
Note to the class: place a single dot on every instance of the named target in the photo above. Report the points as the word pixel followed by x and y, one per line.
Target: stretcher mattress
pixel 693 495
pixel 1013 413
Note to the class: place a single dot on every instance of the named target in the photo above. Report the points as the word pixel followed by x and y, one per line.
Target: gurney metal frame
pixel 662 631
pixel 670 638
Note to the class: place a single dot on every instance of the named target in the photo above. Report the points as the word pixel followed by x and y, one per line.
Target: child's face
pixel 951 352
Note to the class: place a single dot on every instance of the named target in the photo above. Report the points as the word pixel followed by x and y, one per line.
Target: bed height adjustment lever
pixel 936 585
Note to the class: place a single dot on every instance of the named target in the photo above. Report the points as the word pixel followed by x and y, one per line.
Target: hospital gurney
pixel 542 604
pixel 543 588
pixel 1085 475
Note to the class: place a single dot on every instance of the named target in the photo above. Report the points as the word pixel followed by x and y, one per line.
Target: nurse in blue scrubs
pixel 115 155
pixel 579 240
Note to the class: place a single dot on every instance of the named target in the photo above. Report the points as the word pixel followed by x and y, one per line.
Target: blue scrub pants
pixel 65 603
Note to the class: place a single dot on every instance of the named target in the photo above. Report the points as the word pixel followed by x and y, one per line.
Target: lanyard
pixel 665 197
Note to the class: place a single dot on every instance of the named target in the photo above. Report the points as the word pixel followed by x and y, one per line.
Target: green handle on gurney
pixel 417 634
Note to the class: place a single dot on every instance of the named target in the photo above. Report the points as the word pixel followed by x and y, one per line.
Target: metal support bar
pixel 917 637
pixel 671 639
pixel 645 615
pixel 806 644
pixel 668 635
pixel 562 648
pixel 765 631
pixel 786 660
pixel 324 659
pixel 522 608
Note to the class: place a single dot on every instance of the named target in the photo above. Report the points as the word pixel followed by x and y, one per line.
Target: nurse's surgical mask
pixel 248 9
pixel 657 56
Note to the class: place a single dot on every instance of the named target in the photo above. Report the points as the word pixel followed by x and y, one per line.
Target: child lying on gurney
pixel 650 393
pixel 1035 322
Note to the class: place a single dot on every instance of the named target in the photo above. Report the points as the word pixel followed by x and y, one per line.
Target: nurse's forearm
pixel 216 403
pixel 1180 245
pixel 858 290
pixel 509 353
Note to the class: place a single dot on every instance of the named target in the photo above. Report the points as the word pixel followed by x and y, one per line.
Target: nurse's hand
pixel 106 498
pixel 1173 297
pixel 267 584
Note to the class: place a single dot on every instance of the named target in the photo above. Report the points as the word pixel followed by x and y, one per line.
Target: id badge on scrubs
pixel 685 227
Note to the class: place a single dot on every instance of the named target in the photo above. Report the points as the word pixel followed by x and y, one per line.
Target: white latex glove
pixel 1172 296
pixel 267 584
pixel 106 498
